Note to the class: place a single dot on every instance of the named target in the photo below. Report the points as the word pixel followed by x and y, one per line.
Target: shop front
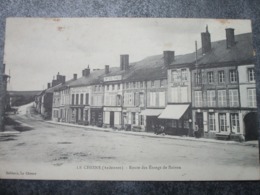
pixel 177 119
pixel 133 120
pixel 152 122
pixel 112 117
pixel 96 117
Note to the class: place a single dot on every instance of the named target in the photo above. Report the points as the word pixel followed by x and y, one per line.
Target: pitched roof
pixel 241 51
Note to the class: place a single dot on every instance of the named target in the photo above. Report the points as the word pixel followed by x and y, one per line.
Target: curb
pixel 93 128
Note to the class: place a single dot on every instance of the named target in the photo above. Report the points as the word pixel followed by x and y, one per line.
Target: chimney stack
pixel 168 57
pixel 49 85
pixel 75 76
pixel 124 62
pixel 205 41
pixel 230 37
pixel 106 69
pixel 63 79
pixel 86 71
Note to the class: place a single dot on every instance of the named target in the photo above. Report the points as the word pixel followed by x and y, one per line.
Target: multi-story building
pixel 113 94
pixel 177 114
pixel 223 87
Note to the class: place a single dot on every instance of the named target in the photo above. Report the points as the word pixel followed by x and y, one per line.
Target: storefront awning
pixel 174 111
pixel 151 112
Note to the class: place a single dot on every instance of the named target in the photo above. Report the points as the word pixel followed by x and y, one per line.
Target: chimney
pixel 168 57
pixel 86 71
pixel 230 37
pixel 205 41
pixel 63 79
pixel 75 76
pixel 124 62
pixel 49 85
pixel 106 69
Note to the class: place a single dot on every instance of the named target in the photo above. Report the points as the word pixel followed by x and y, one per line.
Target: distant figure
pixel 196 130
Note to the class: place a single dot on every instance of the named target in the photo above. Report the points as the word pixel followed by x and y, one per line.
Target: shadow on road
pixel 13 124
pixel 5 138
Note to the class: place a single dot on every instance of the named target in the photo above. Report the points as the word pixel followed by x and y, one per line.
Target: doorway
pixel 251 126
pixel 199 121
pixel 112 116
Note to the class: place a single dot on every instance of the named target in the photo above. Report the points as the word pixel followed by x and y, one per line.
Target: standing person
pixel 196 130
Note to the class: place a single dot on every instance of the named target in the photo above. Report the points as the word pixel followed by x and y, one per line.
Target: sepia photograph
pixel 150 99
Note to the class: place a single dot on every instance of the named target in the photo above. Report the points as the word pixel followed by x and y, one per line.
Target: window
pixel 251 74
pixel 86 99
pixel 161 99
pixel 251 96
pixel 113 87
pixel 198 98
pixel 141 99
pixel 197 78
pixel 174 76
pixel 77 99
pixel 141 120
pixel 161 83
pixel 234 120
pixel 210 77
pixel 73 99
pixel 233 98
pixel 184 94
pixel 222 98
pixel 134 85
pixel 118 100
pixel 174 94
pixel 184 76
pixel 233 76
pixel 174 123
pixel 186 124
pixel 81 99
pixel 222 122
pixel 152 99
pixel 107 87
pixel 152 83
pixel 118 86
pixel 141 84
pixel 133 117
pixel 136 99
pixel 127 85
pixel 211 98
pixel 221 77
pixel 212 125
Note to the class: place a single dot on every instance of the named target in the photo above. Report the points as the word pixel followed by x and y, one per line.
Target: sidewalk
pixel 150 134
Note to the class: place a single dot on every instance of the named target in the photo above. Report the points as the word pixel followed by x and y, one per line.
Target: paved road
pixel 57 145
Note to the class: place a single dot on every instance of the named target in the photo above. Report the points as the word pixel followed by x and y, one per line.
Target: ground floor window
pixel 223 122
pixel 133 118
pixel 186 124
pixel 234 120
pixel 212 123
pixel 141 120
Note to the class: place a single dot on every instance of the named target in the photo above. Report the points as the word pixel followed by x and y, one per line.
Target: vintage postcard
pixel 129 99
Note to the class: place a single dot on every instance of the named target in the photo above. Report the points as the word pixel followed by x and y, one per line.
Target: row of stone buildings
pixel 212 89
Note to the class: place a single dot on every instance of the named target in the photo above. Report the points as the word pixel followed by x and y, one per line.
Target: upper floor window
pixel 127 85
pixel 233 76
pixel 211 98
pixel 107 87
pixel 184 76
pixel 174 75
pixel 198 98
pixel 118 86
pixel 161 83
pixel 72 99
pixel 152 83
pixel 251 96
pixel 251 74
pixel 81 99
pixel 233 98
pixel 210 77
pixel 197 78
pixel 77 99
pixel 141 84
pixel 113 87
pixel 134 84
pixel 221 77
pixel 222 98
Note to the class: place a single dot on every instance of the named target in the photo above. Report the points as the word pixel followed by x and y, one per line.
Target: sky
pixel 36 49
